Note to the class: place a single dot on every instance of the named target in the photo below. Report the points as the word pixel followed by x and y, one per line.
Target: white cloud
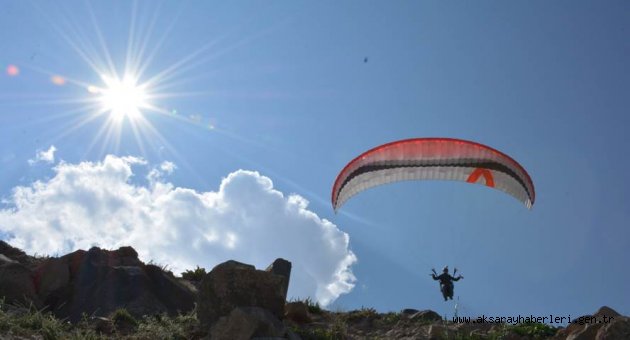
pixel 156 174
pixel 168 167
pixel 44 156
pixel 96 203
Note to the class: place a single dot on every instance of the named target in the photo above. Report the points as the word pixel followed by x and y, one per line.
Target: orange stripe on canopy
pixel 487 175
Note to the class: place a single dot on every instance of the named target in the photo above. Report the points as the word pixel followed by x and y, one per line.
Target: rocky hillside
pixel 111 294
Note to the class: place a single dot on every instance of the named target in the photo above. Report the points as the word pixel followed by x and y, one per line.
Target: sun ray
pixel 107 130
pixel 82 46
pixel 74 128
pixel 101 40
pixel 143 65
pixel 132 32
pixel 137 131
pixel 172 70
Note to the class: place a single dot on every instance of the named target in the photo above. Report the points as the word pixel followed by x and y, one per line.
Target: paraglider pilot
pixel 446 282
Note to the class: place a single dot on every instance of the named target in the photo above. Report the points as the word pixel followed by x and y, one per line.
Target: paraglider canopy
pixel 433 159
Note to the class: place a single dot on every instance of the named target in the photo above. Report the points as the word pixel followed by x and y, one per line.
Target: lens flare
pixel 12 70
pixel 58 80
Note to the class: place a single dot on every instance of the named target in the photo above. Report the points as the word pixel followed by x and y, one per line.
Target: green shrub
pixel 534 329
pixel 164 327
pixel 390 318
pixel 337 331
pixel 194 275
pixel 121 315
pixel 313 307
pixel 361 314
pixel 30 321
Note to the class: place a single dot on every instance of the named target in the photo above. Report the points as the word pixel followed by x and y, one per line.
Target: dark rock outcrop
pixel 16 284
pixel 606 323
pixel 51 277
pixel 407 312
pixel 103 281
pixel 6 260
pixel 94 282
pixel 619 328
pixel 233 284
pixel 16 254
pixel 426 316
pixel 281 267
pixel 297 312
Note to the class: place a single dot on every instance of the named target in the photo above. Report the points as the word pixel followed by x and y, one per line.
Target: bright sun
pixel 123 98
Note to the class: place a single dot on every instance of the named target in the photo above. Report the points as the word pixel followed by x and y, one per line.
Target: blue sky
pixel 282 90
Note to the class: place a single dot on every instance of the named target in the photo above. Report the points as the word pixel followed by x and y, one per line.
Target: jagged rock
pixel 51 276
pixel 170 291
pixel 437 331
pixel 74 260
pixel 103 281
pixel 586 332
pixel 95 282
pixel 593 326
pixel 426 316
pixel 281 267
pixel 233 284
pixel 247 323
pixel 297 312
pixel 561 334
pixel 16 284
pixel 192 286
pixel 408 312
pixel 15 254
pixel 124 256
pixel 474 329
pixel 6 260
pixel 606 311
pixel 619 328
pixel 583 332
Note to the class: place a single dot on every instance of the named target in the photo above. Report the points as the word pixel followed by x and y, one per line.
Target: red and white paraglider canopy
pixel 433 159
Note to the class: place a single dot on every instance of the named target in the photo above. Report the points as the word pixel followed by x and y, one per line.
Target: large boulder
pixel 51 277
pixel 6 260
pixel 171 292
pixel 297 312
pixel 94 282
pixel 247 323
pixel 421 316
pixel 407 312
pixel 16 284
pixel 233 284
pixel 618 328
pixel 16 254
pixel 124 256
pixel 281 267
pixel 607 312
pixel 606 323
pixel 102 281
pixel 439 331
pixel 74 260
